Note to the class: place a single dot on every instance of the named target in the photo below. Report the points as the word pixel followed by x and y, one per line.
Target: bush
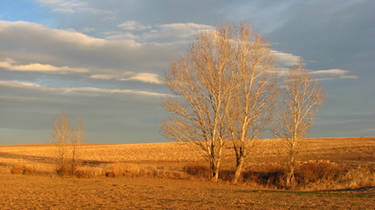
pixel 22 170
pixel 88 172
pixel 198 171
pixel 318 171
pixel 272 177
pixel 362 176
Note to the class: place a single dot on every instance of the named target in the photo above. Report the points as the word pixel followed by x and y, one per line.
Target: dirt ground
pixel 43 189
pixel 52 192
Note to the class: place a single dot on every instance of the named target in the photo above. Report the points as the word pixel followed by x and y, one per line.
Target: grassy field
pixel 156 176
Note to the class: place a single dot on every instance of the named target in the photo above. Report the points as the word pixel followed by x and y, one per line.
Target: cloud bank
pixel 88 91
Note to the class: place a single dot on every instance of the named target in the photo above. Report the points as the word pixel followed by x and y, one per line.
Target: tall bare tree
pixel 255 91
pixel 202 81
pixel 225 88
pixel 302 99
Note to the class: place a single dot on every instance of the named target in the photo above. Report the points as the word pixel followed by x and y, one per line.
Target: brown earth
pixel 153 176
pixel 43 192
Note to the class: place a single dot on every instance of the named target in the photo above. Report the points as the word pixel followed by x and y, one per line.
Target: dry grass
pixel 322 162
pixel 174 175
pixel 43 192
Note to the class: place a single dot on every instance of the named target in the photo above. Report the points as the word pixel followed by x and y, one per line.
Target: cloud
pixel 341 73
pixel 132 25
pixel 330 72
pixel 27 99
pixel 285 59
pixel 73 49
pixel 157 33
pixel 103 76
pixel 64 6
pixel 18 84
pixel 327 74
pixel 183 30
pixel 145 77
pixel 142 77
pixel 369 129
pixel 87 91
pixel 349 77
pixel 175 31
pixel 10 65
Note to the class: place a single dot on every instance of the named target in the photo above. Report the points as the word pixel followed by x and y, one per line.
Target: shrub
pixel 317 171
pixel 88 172
pixel 22 170
pixel 362 176
pixel 198 171
pixel 274 177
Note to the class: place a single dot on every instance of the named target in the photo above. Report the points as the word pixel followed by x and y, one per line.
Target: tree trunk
pixel 216 174
pixel 239 167
pixel 290 177
pixel 218 163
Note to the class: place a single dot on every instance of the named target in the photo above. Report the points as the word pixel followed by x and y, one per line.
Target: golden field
pixel 158 176
pixel 346 151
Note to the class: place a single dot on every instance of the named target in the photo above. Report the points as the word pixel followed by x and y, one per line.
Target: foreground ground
pixel 19 192
pixel 154 176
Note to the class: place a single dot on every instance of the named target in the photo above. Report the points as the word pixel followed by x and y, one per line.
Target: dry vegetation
pixel 42 192
pixel 323 164
pixel 345 153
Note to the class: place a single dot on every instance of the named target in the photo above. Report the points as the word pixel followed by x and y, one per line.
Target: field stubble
pixel 143 176
pixel 176 157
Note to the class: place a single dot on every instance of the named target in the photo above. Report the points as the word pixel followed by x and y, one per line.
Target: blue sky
pixel 103 61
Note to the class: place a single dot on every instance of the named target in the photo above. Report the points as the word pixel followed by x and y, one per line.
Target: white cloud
pixel 176 31
pixel 58 48
pixel 349 77
pixel 157 33
pixel 330 72
pixel 64 6
pixel 115 35
pixel 185 29
pixel 141 77
pixel 88 91
pixel 10 64
pixel 133 26
pixel 47 34
pixel 145 77
pixel 334 73
pixel 103 76
pixel 18 84
pixel 286 59
pixel 327 74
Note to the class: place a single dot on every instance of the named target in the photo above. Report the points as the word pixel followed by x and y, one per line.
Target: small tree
pixel 302 99
pixel 67 141
pixel 77 140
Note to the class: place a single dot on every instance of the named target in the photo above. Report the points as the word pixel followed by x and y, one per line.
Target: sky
pixel 103 62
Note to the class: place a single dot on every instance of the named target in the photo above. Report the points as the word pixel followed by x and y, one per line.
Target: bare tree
pixel 67 141
pixel 61 137
pixel 255 91
pixel 227 90
pixel 203 83
pixel 77 140
pixel 302 99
